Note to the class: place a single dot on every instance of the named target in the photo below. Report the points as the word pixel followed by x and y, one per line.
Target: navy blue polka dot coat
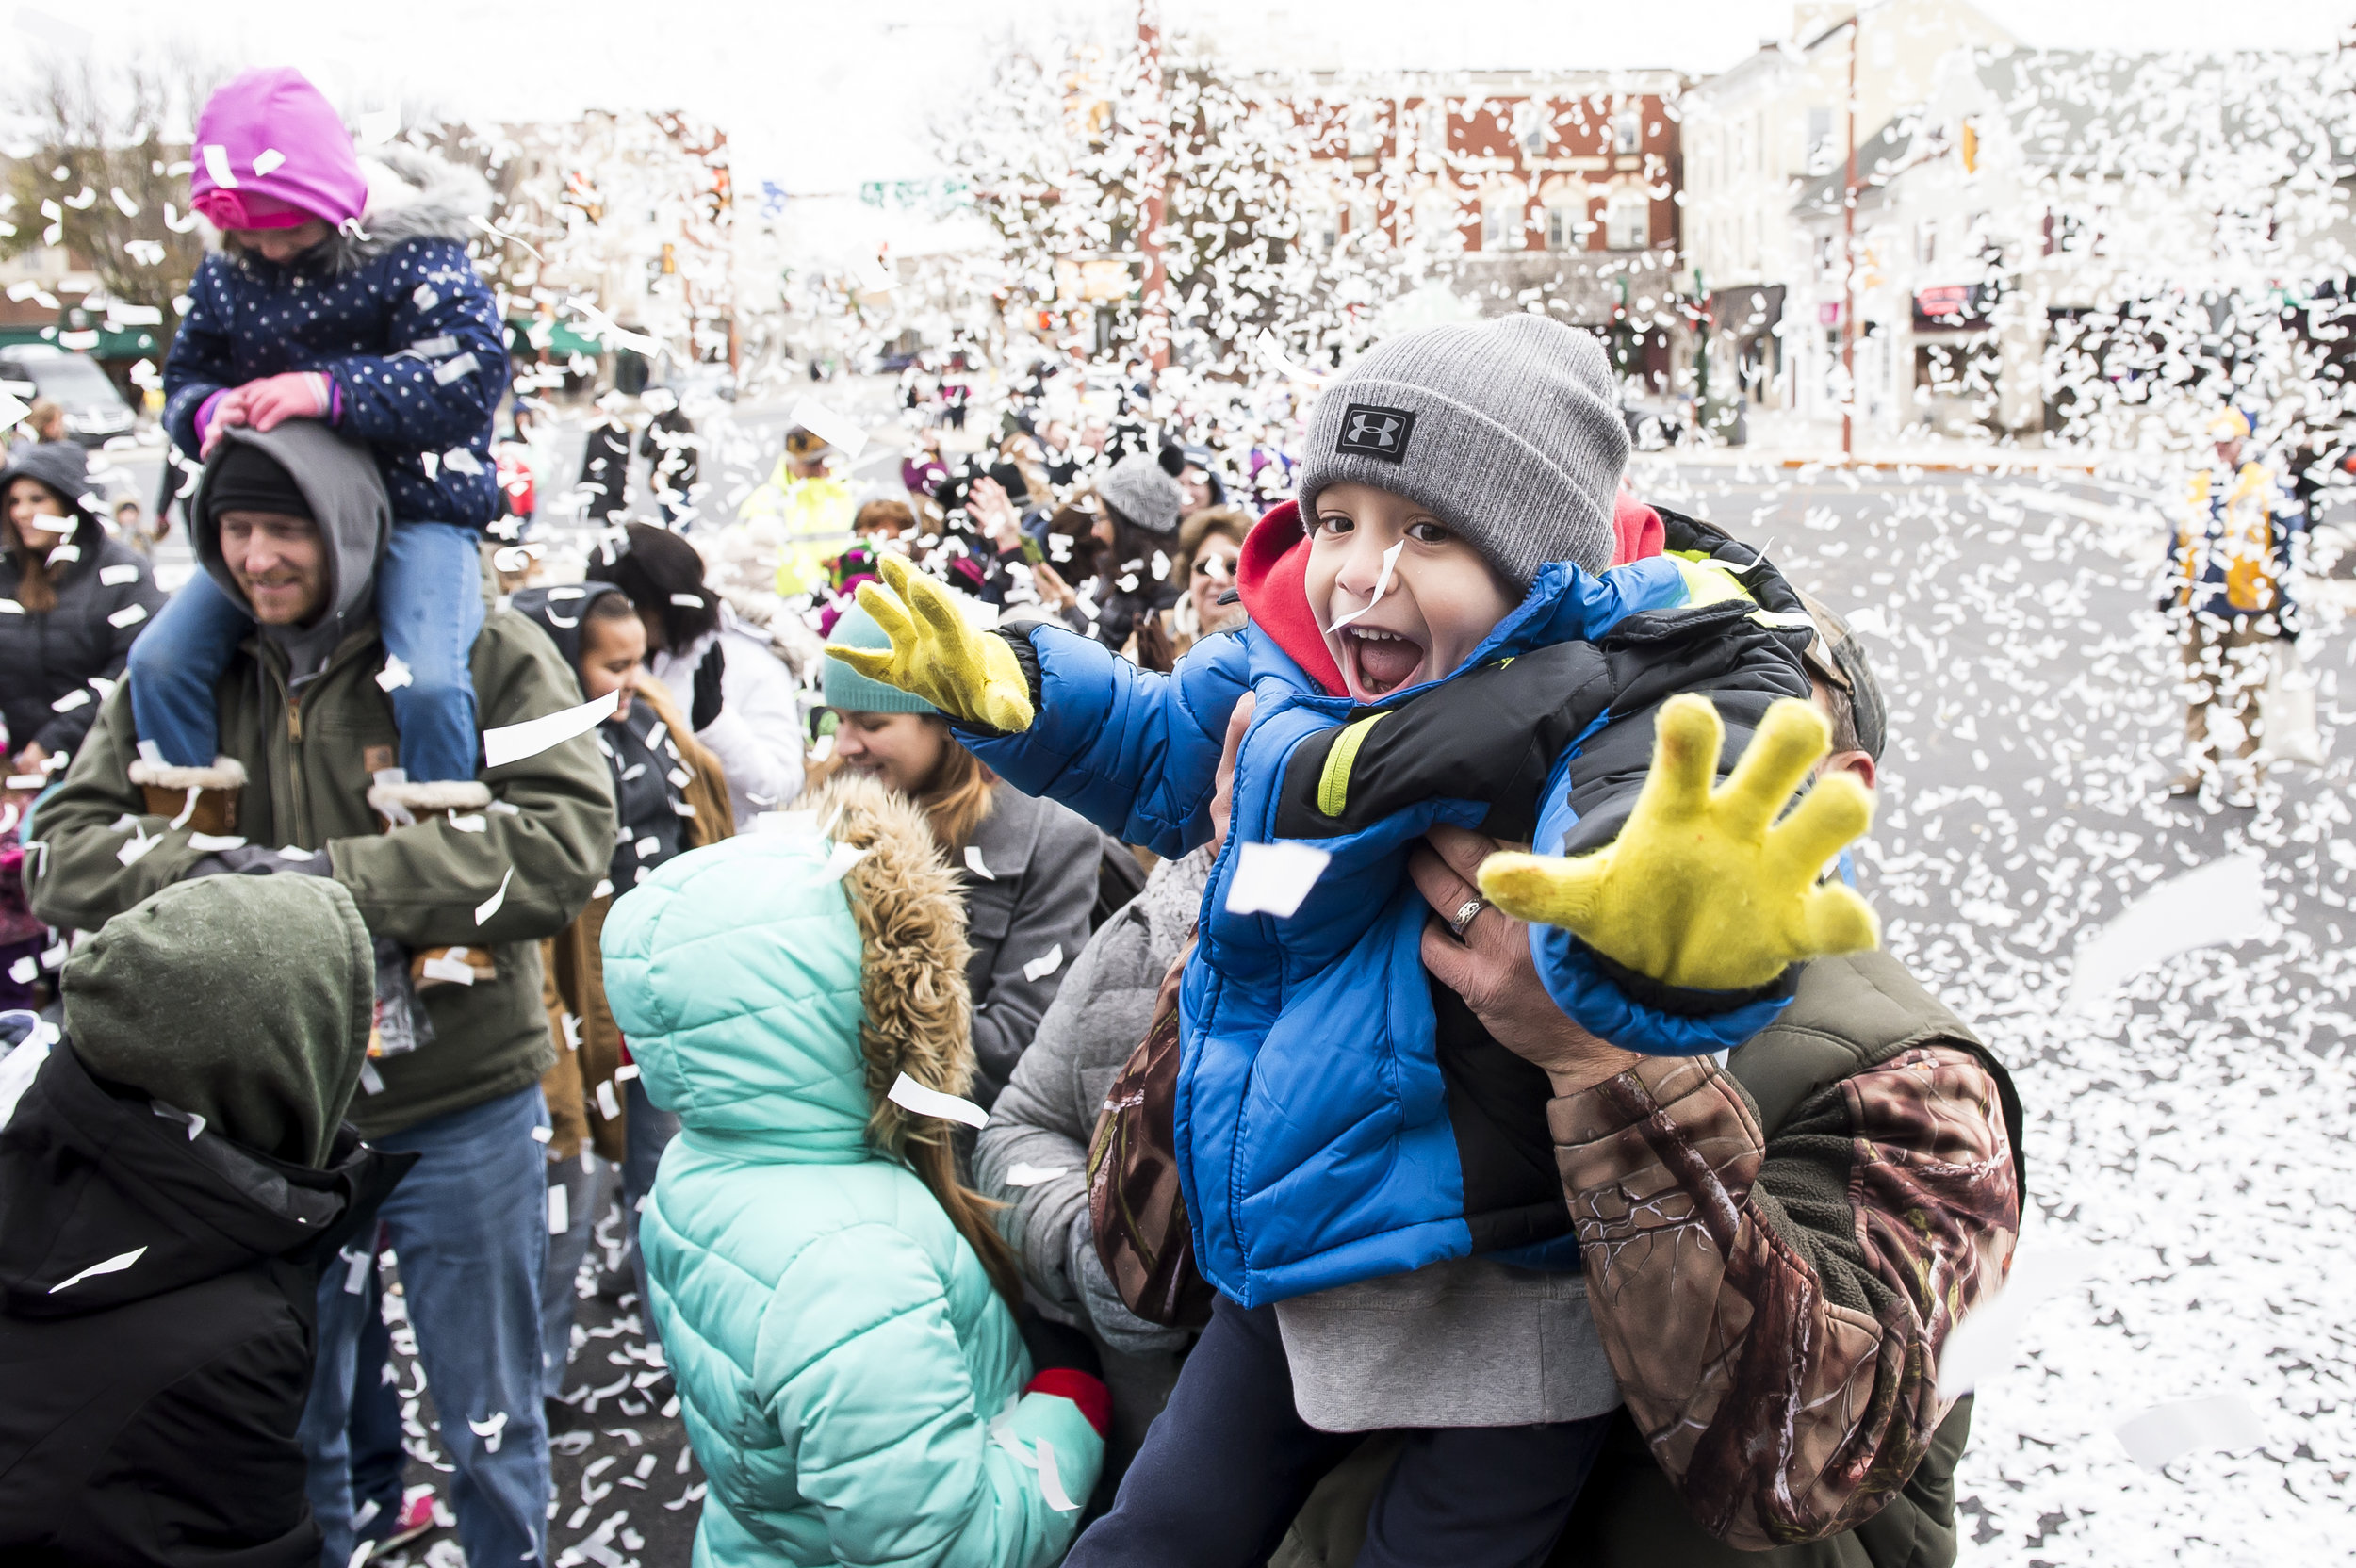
pixel 396 316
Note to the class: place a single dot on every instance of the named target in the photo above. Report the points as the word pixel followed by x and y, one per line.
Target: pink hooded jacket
pixel 272 153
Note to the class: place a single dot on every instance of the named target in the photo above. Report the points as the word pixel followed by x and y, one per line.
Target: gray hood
pixel 347 495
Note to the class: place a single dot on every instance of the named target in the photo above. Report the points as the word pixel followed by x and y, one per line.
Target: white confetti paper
pixel 909 1094
pixel 838 431
pixel 1272 879
pixel 115 1265
pixel 490 907
pixel 1046 964
pixel 512 742
pixel 1027 1175
pixel 394 676
pixel 974 863
pixel 2222 903
pixel 2167 1433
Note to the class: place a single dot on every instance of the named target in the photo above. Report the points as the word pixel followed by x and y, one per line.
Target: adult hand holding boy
pixel 1487 962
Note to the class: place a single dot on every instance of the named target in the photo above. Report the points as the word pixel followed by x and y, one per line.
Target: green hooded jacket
pixel 496 880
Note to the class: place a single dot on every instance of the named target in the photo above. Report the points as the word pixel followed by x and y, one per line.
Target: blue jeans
pixel 584 1191
pixel 649 1131
pixel 469 1225
pixel 428 610
pixel 378 1461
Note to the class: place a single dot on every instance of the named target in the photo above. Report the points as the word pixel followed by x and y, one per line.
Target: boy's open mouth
pixel 1381 661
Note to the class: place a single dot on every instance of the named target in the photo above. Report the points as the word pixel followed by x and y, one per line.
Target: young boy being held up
pixel 1436 635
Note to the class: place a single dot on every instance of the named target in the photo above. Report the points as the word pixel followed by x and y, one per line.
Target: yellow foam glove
pixel 938 654
pixel 1704 887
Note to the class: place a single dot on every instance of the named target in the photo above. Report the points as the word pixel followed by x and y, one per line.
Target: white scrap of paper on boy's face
pixel 1046 964
pixel 115 1265
pixel 2167 1433
pixel 838 431
pixel 1027 1175
pixel 2216 906
pixel 1272 879
pixel 1985 1342
pixel 1050 1479
pixel 1381 586
pixel 491 906
pixel 909 1094
pixel 512 742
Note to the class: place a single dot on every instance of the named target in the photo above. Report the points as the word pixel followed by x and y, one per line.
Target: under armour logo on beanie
pixel 1509 432
pixel 1376 432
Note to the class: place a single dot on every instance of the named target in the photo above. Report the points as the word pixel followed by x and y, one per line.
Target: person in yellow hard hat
pixel 2228 599
pixel 814 505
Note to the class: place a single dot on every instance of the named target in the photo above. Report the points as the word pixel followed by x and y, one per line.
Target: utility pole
pixel 1153 307
pixel 1848 265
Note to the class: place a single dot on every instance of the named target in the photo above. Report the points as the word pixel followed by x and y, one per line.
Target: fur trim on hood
pixel 413 194
pixel 910 912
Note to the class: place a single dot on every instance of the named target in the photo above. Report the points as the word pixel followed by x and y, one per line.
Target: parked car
pixel 94 407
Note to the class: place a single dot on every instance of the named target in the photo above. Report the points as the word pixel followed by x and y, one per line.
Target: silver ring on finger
pixel 1466 915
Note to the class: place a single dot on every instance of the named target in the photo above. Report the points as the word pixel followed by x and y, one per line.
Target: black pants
pixel 1229 1462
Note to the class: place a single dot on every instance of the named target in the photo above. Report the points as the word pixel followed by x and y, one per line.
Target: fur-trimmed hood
pixel 769 1001
pixel 413 194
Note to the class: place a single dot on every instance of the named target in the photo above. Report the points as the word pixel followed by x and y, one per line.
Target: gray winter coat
pixel 1046 1117
pixel 51 664
pixel 1030 902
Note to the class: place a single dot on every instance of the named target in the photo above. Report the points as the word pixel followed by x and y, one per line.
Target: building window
pixel 1502 220
pixel 1627 130
pixel 1628 218
pixel 1819 139
pixel 1532 127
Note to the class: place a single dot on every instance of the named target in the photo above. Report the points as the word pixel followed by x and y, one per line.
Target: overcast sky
pixel 818 96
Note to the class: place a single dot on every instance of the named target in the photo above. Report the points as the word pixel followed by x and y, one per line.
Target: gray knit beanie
pixel 1509 431
pixel 1138 489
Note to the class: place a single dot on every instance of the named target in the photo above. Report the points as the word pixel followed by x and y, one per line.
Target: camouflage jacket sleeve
pixel 1775 1309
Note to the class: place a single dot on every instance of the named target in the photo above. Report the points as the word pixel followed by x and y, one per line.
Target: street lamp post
pixel 1848 265
pixel 1153 204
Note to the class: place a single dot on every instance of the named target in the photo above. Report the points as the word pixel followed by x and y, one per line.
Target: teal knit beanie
pixel 850 691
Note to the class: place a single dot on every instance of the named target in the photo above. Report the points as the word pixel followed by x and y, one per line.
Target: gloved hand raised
pixel 1704 889
pixel 938 654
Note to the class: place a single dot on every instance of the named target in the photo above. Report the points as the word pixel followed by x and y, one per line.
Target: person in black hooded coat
pixel 173 1180
pixel 72 601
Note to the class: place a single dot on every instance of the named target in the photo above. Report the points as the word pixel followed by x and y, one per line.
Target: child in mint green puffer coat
pixel 833 1301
